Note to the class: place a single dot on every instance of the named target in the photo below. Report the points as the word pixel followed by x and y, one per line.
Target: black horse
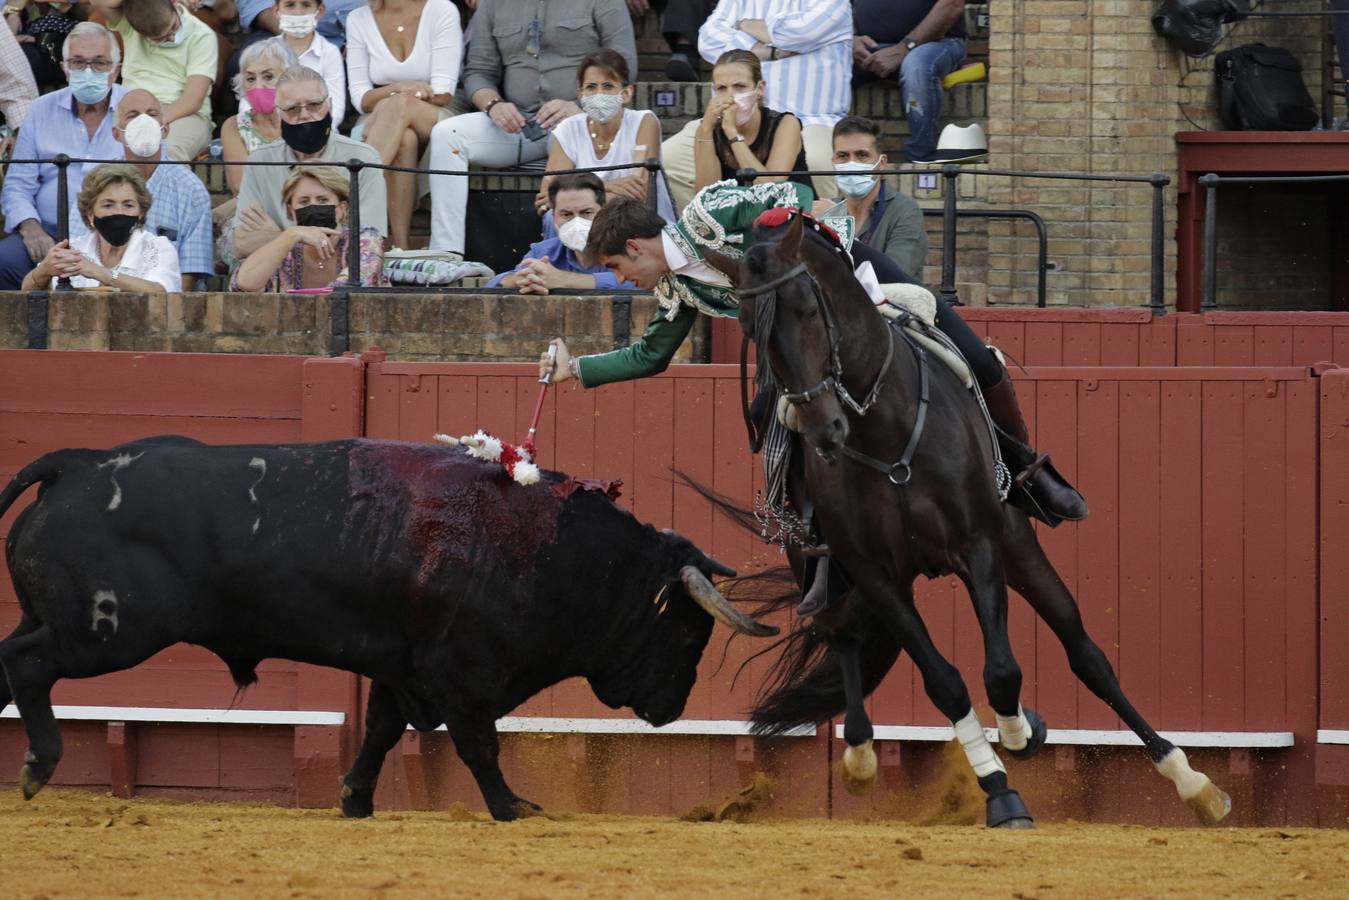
pixel 892 507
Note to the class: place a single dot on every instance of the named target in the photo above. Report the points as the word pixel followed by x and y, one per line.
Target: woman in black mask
pixel 312 253
pixel 117 253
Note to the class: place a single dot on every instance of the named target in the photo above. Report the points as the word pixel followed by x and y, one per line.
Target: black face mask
pixel 116 229
pixel 307 137
pixel 319 215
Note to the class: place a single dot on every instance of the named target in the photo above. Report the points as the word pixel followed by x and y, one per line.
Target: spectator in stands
pixel 888 221
pixel 261 19
pixel 256 125
pixel 520 75
pixel 17 88
pixel 172 54
pixel 40 28
pixel 921 40
pixel 804 46
pixel 181 208
pixel 559 263
pixel 738 132
pixel 117 253
pixel 306 134
pixel 680 21
pixel 75 120
pixel 403 57
pixel 299 23
pixel 606 133
pixel 311 254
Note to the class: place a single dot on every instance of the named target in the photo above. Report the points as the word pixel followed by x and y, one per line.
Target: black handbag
pixel 1196 26
pixel 1261 89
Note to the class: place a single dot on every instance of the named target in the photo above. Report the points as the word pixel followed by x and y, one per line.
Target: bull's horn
pixel 718 607
pixel 717 568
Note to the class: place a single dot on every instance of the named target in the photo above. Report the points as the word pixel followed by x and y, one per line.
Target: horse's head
pixel 784 312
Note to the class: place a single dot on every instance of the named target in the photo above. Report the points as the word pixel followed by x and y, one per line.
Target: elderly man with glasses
pixel 76 120
pixel 173 55
pixel 307 133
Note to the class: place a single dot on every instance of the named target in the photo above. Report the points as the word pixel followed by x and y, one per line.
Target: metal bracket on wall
pixel 37 320
pixel 339 322
pixel 622 318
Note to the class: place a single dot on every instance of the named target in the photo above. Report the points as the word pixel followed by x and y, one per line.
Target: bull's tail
pixel 39 471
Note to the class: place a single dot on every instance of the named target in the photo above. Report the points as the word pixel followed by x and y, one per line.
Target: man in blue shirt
pixel 76 120
pixel 556 263
pixel 181 210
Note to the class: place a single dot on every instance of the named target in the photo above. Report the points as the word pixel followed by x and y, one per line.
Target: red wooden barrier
pixel 1197 574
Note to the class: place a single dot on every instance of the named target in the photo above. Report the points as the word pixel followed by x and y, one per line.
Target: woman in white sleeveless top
pixel 607 133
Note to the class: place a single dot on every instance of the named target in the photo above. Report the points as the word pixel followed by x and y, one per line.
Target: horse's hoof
pixel 1006 810
pixel 859 768
pixel 354 805
pixel 31 782
pixel 1211 804
pixel 527 810
pixel 1038 733
pixel 1016 824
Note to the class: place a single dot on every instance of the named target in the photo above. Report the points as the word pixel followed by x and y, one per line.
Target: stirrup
pixel 1032 489
pixel 817 598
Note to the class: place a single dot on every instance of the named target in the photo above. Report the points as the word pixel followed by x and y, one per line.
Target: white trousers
pixel 455 143
pixel 676 155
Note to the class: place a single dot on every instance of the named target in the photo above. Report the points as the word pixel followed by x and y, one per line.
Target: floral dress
pixel 290 276
pixel 253 139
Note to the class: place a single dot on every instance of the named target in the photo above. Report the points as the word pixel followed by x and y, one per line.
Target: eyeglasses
pixel 100 65
pixel 168 35
pixel 532 39
pixel 310 107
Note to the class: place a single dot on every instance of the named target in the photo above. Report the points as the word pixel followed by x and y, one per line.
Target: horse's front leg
pixel 859 760
pixel 1022 731
pixel 1030 573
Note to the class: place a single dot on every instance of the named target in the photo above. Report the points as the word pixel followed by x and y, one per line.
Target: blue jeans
pixel 14 261
pixel 919 77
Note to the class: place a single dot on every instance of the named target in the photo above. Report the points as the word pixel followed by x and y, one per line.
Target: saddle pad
pixel 954 361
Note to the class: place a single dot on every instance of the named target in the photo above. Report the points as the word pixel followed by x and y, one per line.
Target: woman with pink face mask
pixel 260 65
pixel 738 132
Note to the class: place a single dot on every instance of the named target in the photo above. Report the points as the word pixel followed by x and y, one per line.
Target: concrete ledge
pixel 297 717
pixel 1095 738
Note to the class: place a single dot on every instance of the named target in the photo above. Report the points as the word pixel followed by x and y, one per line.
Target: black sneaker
pixel 682 67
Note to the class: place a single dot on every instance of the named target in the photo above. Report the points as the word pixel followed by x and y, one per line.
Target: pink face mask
pixel 262 99
pixel 745 104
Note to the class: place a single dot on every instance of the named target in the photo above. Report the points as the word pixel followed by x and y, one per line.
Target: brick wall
pixel 1088 87
pixel 451 327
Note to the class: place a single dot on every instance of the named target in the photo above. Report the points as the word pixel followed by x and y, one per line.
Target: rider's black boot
pixel 817 598
pixel 1037 487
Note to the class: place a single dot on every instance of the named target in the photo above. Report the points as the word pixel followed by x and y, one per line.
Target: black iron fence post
pixel 653 172
pixel 948 230
pixel 62 163
pixel 746 176
pixel 354 167
pixel 1210 288
pixel 1159 183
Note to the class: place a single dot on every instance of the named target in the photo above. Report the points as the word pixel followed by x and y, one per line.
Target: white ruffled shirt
pixel 148 256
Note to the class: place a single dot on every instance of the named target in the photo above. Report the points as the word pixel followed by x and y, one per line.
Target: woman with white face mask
pixel 606 133
pixel 738 132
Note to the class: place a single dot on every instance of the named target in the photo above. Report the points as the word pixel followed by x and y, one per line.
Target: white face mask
pixel 854 184
pixel 602 107
pixel 143 136
pixel 574 232
pixel 299 26
pixel 746 104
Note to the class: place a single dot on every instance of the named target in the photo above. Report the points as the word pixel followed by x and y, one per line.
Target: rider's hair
pixel 621 220
pixel 744 58
pixel 857 125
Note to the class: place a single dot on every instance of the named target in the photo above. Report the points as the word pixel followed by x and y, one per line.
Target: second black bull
pixel 459 593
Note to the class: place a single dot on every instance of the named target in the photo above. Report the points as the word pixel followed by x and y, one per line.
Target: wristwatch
pixel 772 49
pixel 12 10
pixel 491 103
pixel 909 45
pixel 738 139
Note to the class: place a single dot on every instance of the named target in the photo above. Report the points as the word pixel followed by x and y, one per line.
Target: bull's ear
pixel 723 264
pixel 789 248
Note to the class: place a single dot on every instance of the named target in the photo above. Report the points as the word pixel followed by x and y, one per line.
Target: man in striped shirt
pixel 806 49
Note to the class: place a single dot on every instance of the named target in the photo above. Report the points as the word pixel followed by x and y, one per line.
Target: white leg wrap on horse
pixel 1014 730
pixel 1188 782
pixel 977 748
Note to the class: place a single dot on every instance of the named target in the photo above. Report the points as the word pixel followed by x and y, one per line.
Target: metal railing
pixel 951 212
pixel 1210 184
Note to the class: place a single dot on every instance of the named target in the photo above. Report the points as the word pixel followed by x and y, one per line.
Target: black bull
pixel 459 593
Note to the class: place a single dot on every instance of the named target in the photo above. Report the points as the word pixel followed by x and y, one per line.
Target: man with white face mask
pixel 559 263
pixel 181 211
pixel 887 220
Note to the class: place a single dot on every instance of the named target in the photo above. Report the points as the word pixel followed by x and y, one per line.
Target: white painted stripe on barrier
pixel 1332 736
pixel 1092 738
pixel 703 727
pixel 177 715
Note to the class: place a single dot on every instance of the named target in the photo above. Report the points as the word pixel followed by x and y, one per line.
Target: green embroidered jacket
pixel 720 217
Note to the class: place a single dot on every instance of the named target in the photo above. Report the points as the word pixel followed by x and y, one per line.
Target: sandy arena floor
pixel 76 844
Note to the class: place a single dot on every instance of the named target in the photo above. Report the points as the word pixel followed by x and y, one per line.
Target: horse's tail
pixel 804 685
